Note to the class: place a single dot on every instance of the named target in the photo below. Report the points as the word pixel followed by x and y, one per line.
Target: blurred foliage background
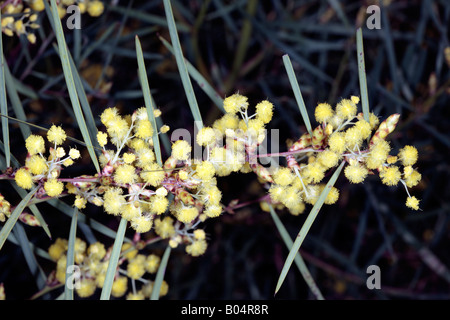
pixel 238 46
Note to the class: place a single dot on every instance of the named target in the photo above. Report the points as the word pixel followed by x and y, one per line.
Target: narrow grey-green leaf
pixel 297 92
pixel 160 274
pixel 68 288
pixel 148 99
pixel 3 104
pixel 67 70
pixel 301 265
pixel 7 227
pixel 113 261
pixel 362 75
pixel 185 79
pixel 307 225
pixel 198 77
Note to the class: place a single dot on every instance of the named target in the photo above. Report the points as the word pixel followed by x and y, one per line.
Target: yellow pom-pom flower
pixel 283 176
pixel 143 129
pixel 136 268
pixel 412 202
pixel 152 263
pixel 337 142
pixel 205 170
pixel 153 174
pixel 355 173
pixel 95 8
pixel 125 174
pixel 234 103
pixel 53 187
pixel 196 248
pixel 164 228
pixel 102 138
pixel 206 136
pixel 264 111
pixel 187 214
pixel 56 135
pixel 86 288
pixel 23 178
pixel 35 144
pixel 323 112
pixel 346 108
pixel 159 204
pixel 390 176
pixel 36 164
pixel 119 287
pixel 408 155
pixel 181 150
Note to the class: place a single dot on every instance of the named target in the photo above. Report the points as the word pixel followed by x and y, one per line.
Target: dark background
pixel 407 73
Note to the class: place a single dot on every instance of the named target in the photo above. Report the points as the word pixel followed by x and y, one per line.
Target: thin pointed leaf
pixel 113 261
pixel 201 81
pixel 297 93
pixel 148 99
pixel 4 105
pixel 301 265
pixel 15 102
pixel 307 225
pixel 185 79
pixel 7 227
pixel 64 56
pixel 68 290
pixel 160 274
pixel 362 75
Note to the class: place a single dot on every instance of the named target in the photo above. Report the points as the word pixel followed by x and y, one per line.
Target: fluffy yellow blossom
pixel 206 136
pixel 153 174
pixel 408 155
pixel 234 103
pixel 314 171
pixel 355 173
pixel 23 178
pixel 35 144
pixel 164 228
pixel 135 296
pixel 58 248
pixel 181 150
pixel 196 248
pixel 80 202
pixel 323 112
pixel 95 8
pixel 143 129
pixel 119 287
pixel 96 250
pixel 187 214
pixel 283 176
pixel 378 154
pixel 145 156
pixel 412 202
pixel 355 99
pixel 74 153
pixel 102 138
pixel 86 287
pixel 164 129
pixel 277 192
pixel 113 201
pixel 53 187
pixel 130 211
pixel 390 176
pixel 56 135
pixel 159 204
pixel 346 108
pixel 142 224
pixel 152 263
pixel 332 196
pixel 205 170
pixel 125 173
pixel 36 164
pixel 136 267
pixel 128 158
pixel 213 211
pixel 364 128
pixel 328 158
pixel 413 179
pixel 264 111
pixel 337 142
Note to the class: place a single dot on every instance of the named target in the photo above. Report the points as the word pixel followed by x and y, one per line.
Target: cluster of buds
pixel 343 135
pixel 19 17
pixel 91 263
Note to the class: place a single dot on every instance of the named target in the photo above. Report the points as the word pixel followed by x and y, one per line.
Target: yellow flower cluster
pixel 20 17
pixel 92 262
pixel 343 135
pixel 43 170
